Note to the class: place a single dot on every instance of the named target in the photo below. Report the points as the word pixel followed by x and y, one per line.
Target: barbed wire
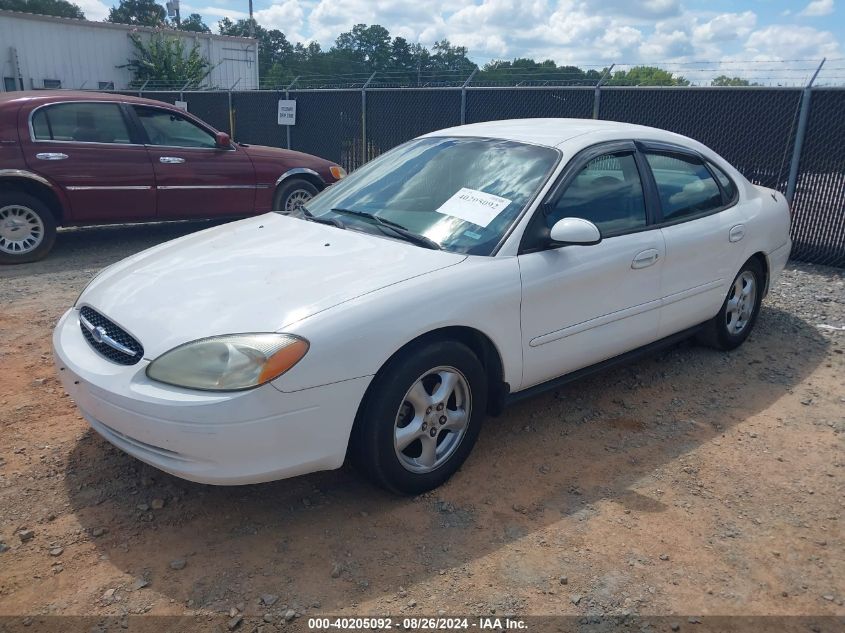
pixel 696 73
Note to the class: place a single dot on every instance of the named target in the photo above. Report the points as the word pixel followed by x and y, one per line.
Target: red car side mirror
pixel 223 140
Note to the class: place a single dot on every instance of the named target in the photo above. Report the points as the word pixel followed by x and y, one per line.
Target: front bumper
pixel 239 437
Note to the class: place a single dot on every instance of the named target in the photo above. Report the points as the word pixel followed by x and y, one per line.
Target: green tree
pixel 368 45
pixel 195 24
pixel 58 8
pixel 526 70
pixel 165 59
pixel 273 47
pixel 646 76
pixel 448 57
pixel 724 80
pixel 140 12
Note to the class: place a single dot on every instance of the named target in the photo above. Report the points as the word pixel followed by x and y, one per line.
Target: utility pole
pixel 173 12
pixel 251 21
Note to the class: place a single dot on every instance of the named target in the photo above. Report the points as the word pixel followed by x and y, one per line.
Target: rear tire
pixel 292 194
pixel 421 417
pixel 27 228
pixel 729 329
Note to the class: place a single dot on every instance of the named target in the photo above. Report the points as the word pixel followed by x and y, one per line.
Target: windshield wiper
pixel 398 229
pixel 319 219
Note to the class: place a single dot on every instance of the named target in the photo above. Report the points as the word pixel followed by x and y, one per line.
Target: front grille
pixel 104 332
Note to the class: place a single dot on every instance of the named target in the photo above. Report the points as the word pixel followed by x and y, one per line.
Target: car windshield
pixel 460 193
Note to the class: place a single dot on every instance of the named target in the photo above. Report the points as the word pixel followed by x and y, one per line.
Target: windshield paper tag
pixel 474 206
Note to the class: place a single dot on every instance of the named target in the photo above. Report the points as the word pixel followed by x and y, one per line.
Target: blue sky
pixel 572 31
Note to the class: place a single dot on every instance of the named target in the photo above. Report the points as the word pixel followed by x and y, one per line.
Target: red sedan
pixel 76 158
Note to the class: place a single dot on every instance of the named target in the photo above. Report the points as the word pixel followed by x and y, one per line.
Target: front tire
pixel 27 228
pixel 421 417
pixel 729 329
pixel 293 194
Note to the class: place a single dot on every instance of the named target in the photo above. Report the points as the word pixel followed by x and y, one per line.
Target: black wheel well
pixel 36 190
pixel 309 178
pixel 482 347
pixel 760 257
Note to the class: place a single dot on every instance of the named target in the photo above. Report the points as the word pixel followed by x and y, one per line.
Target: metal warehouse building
pixel 38 51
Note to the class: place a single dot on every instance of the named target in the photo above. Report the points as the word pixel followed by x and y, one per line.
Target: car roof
pixel 557 132
pixel 39 97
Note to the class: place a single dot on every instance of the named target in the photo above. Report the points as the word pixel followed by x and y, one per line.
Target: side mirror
pixel 574 231
pixel 223 140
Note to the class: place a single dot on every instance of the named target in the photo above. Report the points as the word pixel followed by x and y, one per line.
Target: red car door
pixel 195 177
pixel 86 147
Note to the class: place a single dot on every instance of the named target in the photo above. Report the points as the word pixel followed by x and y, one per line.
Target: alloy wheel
pixel 296 199
pixel 741 301
pixel 21 230
pixel 432 419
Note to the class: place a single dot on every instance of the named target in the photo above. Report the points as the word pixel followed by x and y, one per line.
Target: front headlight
pixel 228 363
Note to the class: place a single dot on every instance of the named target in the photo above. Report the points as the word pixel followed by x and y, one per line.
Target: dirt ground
pixel 691 482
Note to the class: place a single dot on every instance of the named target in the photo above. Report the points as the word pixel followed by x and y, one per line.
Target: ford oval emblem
pixel 98 333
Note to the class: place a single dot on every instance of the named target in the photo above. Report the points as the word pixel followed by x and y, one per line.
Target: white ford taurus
pixel 455 273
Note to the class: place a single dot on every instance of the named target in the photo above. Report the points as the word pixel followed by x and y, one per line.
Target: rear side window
pixel 80 122
pixel 685 186
pixel 607 192
pixel 727 184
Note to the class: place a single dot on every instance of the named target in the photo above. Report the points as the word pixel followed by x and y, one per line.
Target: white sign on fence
pixel 182 105
pixel 287 112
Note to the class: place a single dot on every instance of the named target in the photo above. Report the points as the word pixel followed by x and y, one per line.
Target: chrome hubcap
pixel 296 199
pixel 21 230
pixel 432 419
pixel 741 300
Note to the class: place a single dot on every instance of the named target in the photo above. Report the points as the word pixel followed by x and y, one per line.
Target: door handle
pixel 50 156
pixel 737 233
pixel 171 160
pixel 646 258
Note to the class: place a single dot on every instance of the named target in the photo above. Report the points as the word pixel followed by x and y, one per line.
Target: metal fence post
pixel 800 133
pixel 141 89
pixel 364 119
pixel 231 117
pixel 597 92
pixel 287 97
pixel 464 96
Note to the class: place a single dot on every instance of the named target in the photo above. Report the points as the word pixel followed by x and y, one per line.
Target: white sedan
pixel 451 275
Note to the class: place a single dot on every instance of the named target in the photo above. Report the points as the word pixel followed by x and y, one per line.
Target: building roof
pixel 134 28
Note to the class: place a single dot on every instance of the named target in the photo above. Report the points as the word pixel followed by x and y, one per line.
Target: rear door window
pixel 727 184
pixel 685 186
pixel 84 122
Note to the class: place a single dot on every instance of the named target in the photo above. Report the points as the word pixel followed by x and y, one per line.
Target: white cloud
pixel 664 45
pixel 93 9
pixel 818 7
pixel 579 32
pixel 287 16
pixel 646 9
pixel 213 13
pixel 725 27
pixel 782 41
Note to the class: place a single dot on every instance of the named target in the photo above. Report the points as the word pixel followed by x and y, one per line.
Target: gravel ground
pixel 690 482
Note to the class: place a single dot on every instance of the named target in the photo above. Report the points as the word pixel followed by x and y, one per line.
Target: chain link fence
pixel 818 208
pixel 760 130
pixel 492 104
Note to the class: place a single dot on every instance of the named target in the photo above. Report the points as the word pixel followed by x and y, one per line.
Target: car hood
pixel 256 275
pixel 263 151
